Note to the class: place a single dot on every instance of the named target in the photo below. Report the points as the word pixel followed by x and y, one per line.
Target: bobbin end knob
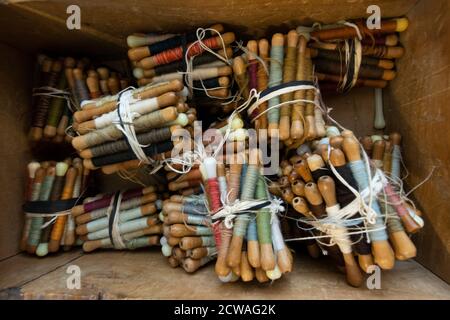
pixel 404 248
pixel 402 24
pixel 383 254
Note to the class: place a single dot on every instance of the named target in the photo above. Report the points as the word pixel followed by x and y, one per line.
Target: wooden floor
pixel 146 275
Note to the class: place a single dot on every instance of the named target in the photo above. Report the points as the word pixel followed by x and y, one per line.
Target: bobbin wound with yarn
pixel 52 190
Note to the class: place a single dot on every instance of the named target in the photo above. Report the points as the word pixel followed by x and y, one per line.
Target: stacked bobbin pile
pixel 189 183
pixel 293 116
pixel 135 128
pixel 188 238
pixel 186 57
pixel 325 188
pixel 247 233
pixel 52 190
pixel 124 220
pixel 62 84
pixel 352 55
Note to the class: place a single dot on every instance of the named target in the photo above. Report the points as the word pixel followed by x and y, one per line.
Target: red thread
pixel 214 194
pixel 396 201
pixel 252 73
pixel 175 54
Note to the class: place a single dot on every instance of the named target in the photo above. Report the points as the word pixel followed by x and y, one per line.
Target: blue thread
pixel 359 172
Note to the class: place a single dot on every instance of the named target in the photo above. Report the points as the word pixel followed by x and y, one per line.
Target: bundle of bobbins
pixel 123 220
pixel 188 203
pixel 317 182
pixel 247 233
pixel 188 239
pixel 352 55
pixel 160 58
pixel 53 188
pixel 291 116
pixel 133 129
pixel 62 84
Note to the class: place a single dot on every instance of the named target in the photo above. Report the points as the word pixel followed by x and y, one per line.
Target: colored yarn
pixel 106 200
pixel 394 223
pixel 179 66
pixel 289 73
pixel 344 196
pixel 275 78
pixel 194 208
pixel 214 194
pixel 56 108
pixel 152 136
pixel 129 155
pixel 253 75
pixel 177 53
pixel 263 216
pixel 395 165
pixel 82 90
pixel 112 133
pixel 359 173
pixel 43 102
pixel 175 41
pixel 234 182
pixel 248 193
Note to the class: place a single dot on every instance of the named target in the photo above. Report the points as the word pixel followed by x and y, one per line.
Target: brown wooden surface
pixel 419 110
pixel 16 72
pixel 354 110
pixel 104 19
pixel 145 274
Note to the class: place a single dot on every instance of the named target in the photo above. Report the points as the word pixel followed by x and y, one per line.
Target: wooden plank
pixel 146 275
pixel 104 19
pixel 418 109
pixel 15 97
pixel 354 110
pixel 23 268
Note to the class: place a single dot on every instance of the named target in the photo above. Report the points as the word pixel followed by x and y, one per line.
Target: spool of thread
pixel 153 136
pixel 111 133
pixel 365 60
pixel 262 77
pixel 43 102
pixel 138 53
pixel 234 182
pixel 275 78
pixel 339 232
pixel 107 104
pixel 241 222
pixel 177 53
pixel 141 107
pixel 289 74
pixel 298 109
pixel 345 197
pixel 139 39
pixel 58 228
pixel 382 251
pixel 346 32
pixel 263 218
pixel 240 74
pixel 396 155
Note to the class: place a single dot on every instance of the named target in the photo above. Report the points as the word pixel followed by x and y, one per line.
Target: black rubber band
pixel 112 214
pixel 48 207
pixel 286 85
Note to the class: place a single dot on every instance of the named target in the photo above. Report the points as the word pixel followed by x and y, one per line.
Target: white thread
pixel 115 231
pixel 56 93
pixel 127 127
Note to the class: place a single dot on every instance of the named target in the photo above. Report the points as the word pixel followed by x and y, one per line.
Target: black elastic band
pixel 112 215
pixel 286 85
pixel 47 207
